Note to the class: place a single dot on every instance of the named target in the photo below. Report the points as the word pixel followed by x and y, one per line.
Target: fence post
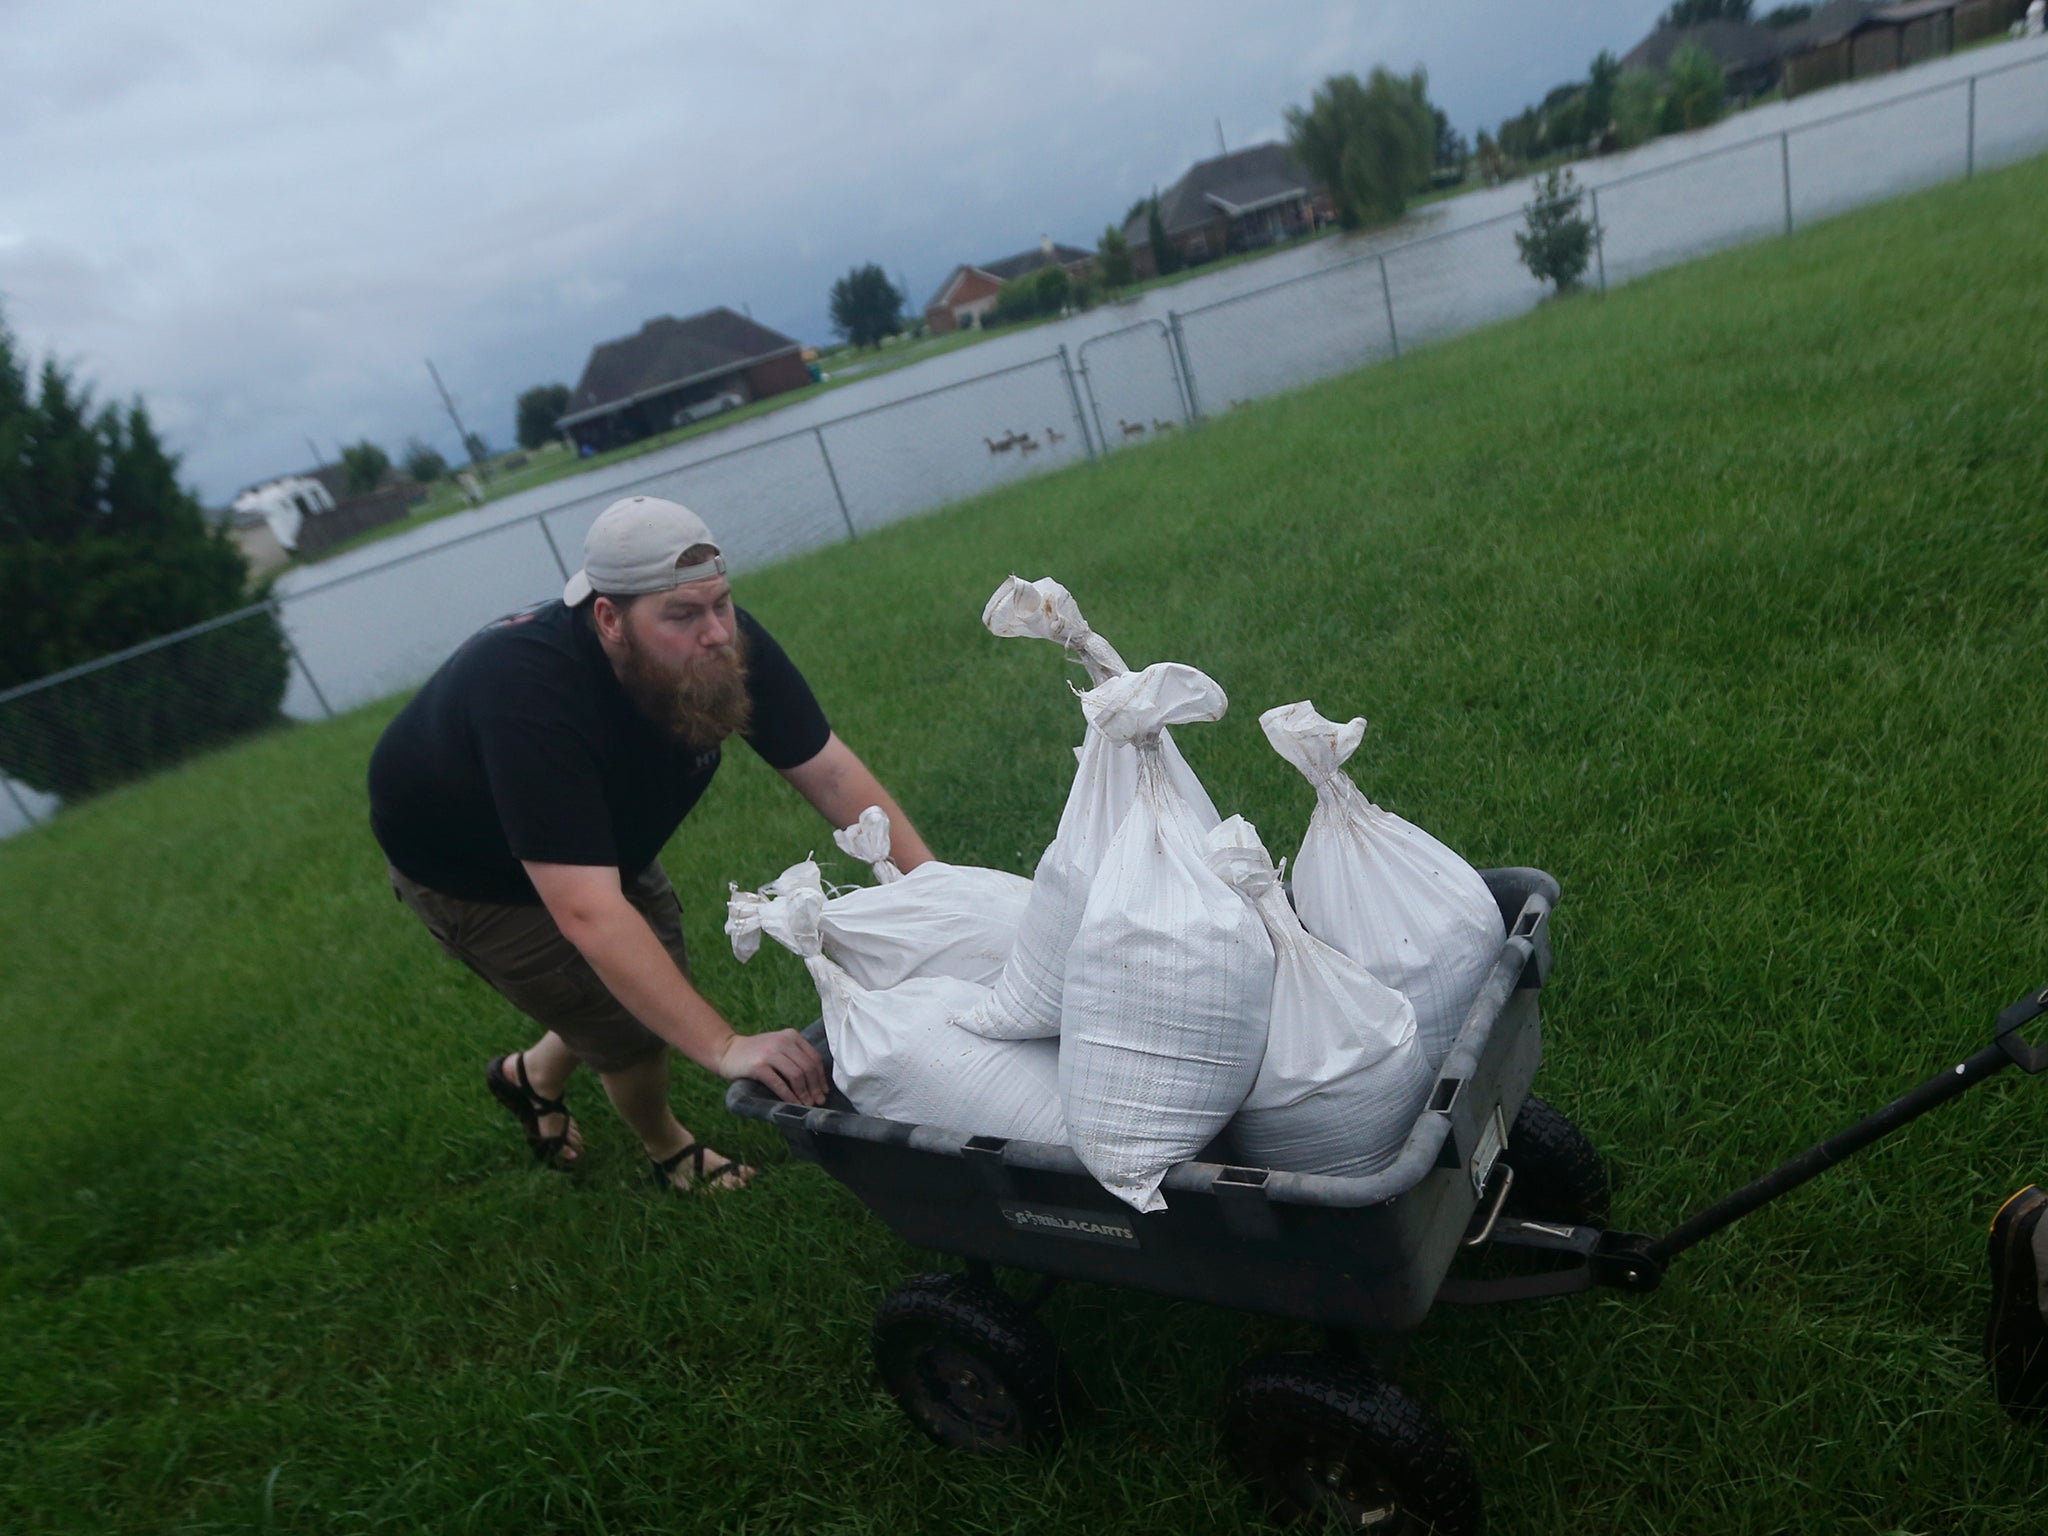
pixel 1187 372
pixel 1970 143
pixel 277 618
pixel 1094 405
pixel 553 548
pixel 824 454
pixel 19 804
pixel 1387 293
pixel 1785 160
pixel 1599 242
pixel 1074 399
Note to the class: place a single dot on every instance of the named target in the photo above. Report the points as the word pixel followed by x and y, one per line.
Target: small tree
pixel 1494 165
pixel 1638 105
pixel 1558 242
pixel 1165 254
pixel 1045 291
pixel 1696 89
pixel 866 306
pixel 1601 78
pixel 424 462
pixel 364 466
pixel 1113 260
pixel 537 412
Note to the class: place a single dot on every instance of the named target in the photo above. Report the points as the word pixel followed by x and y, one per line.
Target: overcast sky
pixel 262 217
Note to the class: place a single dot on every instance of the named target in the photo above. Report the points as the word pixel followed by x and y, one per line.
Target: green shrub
pixel 1558 242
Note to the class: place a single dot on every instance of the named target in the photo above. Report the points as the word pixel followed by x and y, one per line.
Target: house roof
pixel 1829 23
pixel 1012 266
pixel 1734 45
pixel 1913 10
pixel 667 353
pixel 1239 182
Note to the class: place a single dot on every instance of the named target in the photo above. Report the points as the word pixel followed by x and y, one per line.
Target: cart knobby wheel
pixel 1559 1174
pixel 974 1370
pixel 1330 1441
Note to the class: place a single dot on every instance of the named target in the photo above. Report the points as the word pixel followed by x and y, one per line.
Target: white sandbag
pixel 868 840
pixel 1383 891
pixel 955 920
pixel 1344 1076
pixel 1168 983
pixel 1026 999
pixel 894 1053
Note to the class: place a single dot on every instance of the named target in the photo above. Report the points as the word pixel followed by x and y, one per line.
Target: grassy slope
pixel 1723 600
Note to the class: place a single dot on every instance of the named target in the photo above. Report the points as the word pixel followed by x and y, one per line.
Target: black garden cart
pixel 1486 1165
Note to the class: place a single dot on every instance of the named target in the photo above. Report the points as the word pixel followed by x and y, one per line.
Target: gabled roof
pixel 1734 45
pixel 1240 182
pixel 667 353
pixel 1012 266
pixel 1829 23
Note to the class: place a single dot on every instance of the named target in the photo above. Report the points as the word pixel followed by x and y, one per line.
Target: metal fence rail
pixel 364 634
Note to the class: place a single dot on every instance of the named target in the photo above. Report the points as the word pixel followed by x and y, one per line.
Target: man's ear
pixel 607 618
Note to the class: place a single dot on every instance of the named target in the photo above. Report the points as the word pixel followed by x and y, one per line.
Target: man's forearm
pixel 841 786
pixel 640 972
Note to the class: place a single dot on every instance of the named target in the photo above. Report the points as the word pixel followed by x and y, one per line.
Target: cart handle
pixel 2029 1057
pixel 2008 1048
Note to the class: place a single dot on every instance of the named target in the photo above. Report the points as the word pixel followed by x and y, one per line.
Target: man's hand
pixel 781 1060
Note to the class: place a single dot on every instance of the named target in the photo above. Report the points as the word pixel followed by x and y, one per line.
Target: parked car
pixel 704 410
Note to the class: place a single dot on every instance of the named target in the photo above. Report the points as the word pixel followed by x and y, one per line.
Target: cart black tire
pixel 1559 1174
pixel 970 1367
pixel 1330 1440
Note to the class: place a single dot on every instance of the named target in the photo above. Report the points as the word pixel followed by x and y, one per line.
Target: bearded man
pixel 524 794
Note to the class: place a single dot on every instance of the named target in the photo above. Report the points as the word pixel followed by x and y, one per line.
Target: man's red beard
pixel 698 704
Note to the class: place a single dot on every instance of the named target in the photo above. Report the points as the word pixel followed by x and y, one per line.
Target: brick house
pixel 969 292
pixel 1235 202
pixel 673 371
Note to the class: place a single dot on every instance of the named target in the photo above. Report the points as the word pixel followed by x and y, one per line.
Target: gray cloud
pixel 262 218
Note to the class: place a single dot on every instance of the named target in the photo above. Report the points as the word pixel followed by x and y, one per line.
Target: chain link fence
pixel 341 642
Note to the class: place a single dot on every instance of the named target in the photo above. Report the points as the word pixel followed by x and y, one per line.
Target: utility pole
pixel 313 448
pixel 460 431
pixel 1219 138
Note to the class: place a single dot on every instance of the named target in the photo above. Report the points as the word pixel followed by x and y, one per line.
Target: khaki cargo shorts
pixel 520 951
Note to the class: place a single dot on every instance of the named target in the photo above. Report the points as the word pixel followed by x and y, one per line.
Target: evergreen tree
pixel 1113 259
pixel 102 549
pixel 1166 258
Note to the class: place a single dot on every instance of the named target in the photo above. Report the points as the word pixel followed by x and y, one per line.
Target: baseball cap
pixel 637 545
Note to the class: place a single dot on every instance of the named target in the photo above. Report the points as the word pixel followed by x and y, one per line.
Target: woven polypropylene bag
pixel 1344 1075
pixel 1381 889
pixel 1170 977
pixel 894 1053
pixel 1025 1002
pixel 954 920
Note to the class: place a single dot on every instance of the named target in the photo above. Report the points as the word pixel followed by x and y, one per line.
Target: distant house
pixel 1235 202
pixel 675 371
pixel 1749 54
pixel 969 292
pixel 1845 40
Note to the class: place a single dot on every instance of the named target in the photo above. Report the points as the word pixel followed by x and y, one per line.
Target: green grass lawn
pixel 1723 599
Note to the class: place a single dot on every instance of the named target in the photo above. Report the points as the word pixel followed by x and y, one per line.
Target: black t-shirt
pixel 524 745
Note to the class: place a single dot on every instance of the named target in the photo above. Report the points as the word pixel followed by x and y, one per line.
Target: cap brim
pixel 577 590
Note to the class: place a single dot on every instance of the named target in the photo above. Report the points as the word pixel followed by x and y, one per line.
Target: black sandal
pixel 664 1169
pixel 527 1107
